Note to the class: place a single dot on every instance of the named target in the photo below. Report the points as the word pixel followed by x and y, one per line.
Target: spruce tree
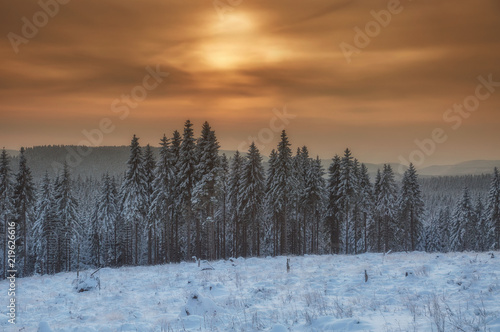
pixel 24 200
pixel 480 224
pixel 133 201
pixel 365 204
pixel 70 230
pixel 222 213
pixel 333 205
pixel 6 205
pixel 438 232
pixel 271 202
pixel 252 191
pixel 45 229
pixel 95 238
pixel 149 165
pixel 462 224
pixel 301 166
pixel 186 167
pixel 173 194
pixel 347 191
pixel 283 189
pixel 160 208
pixel 411 208
pixel 315 193
pixel 357 218
pixel 493 212
pixel 204 192
pixel 386 207
pixel 233 201
pixel 107 216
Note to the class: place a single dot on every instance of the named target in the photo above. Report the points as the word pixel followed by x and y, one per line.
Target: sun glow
pixel 237 43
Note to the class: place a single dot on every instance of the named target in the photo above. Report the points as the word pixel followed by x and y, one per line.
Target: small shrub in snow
pixel 86 283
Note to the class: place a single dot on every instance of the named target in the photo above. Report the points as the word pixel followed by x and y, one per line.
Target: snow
pixel 86 283
pixel 405 291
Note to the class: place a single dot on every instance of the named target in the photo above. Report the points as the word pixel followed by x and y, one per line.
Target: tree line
pixel 189 201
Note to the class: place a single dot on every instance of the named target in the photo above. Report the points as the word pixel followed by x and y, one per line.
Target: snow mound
pixel 328 323
pixel 86 283
pixel 279 328
pixel 199 305
pixel 44 327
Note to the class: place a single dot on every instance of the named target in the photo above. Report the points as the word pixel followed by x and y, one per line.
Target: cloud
pixel 233 72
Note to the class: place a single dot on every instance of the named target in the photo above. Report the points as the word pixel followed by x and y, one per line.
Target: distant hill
pixel 112 160
pixel 473 167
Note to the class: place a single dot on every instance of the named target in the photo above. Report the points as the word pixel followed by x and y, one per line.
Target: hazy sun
pixel 236 43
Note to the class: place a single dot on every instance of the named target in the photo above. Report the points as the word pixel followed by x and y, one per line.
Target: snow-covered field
pixel 404 292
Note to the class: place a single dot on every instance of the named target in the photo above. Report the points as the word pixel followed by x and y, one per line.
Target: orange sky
pixel 234 67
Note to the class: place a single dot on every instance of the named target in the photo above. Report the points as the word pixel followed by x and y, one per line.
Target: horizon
pixel 333 75
pixel 15 153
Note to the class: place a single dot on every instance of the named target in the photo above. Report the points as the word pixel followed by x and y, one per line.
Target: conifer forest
pixel 189 201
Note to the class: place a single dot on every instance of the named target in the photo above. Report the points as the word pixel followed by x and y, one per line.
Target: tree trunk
pixel 188 235
pixel 347 228
pixel 150 245
pixel 412 231
pixel 25 244
pixel 198 238
pixel 223 248
pixel 365 231
pixel 283 243
pixel 136 243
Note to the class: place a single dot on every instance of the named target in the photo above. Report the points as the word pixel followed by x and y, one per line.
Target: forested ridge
pixel 189 201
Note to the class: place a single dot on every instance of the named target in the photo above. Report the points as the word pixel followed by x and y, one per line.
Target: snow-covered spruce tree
pixel 462 230
pixel 252 191
pixel 356 231
pixel 186 168
pixel 95 237
pixel 294 201
pixel 301 166
pixel 411 208
pixel 45 230
pixel 437 233
pixel 375 228
pixel 386 207
pixel 481 243
pixel 149 165
pixel 204 193
pixel 107 217
pixel 174 245
pixel 24 201
pixel 493 211
pixel 333 205
pixel 444 222
pixel 347 191
pixel 233 202
pixel 365 201
pixel 133 201
pixel 283 190
pixel 6 205
pixel 160 209
pixel 315 193
pixel 222 211
pixel 70 230
pixel 271 237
